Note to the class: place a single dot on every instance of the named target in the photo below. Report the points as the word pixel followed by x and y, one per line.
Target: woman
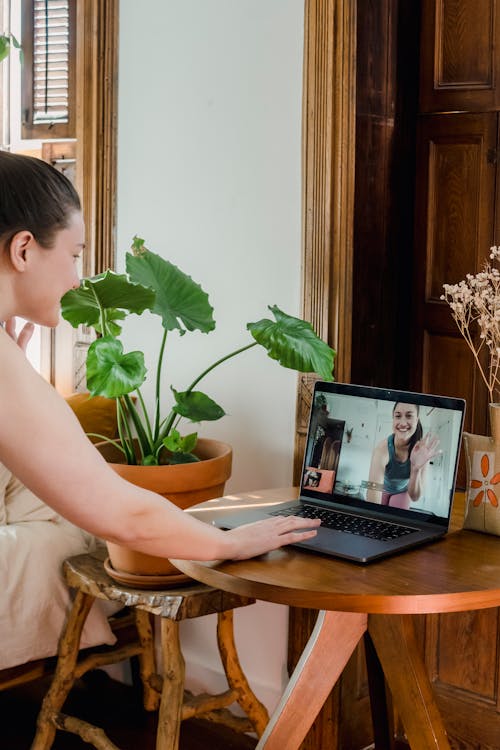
pixel 399 461
pixel 41 441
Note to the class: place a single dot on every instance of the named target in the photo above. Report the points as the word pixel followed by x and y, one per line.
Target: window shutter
pixel 49 70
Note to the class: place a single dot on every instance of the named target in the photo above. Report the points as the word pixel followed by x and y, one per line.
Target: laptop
pixel 379 470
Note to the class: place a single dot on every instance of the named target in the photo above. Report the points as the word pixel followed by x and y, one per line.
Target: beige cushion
pixel 22 505
pixel 5 475
pixel 34 599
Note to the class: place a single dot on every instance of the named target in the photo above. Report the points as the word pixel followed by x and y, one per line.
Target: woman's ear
pixel 18 249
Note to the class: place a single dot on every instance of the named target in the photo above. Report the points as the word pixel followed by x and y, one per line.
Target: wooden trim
pixel 329 109
pixel 97 71
pixel 328 158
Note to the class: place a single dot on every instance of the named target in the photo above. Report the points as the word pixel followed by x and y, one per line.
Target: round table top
pixel 460 572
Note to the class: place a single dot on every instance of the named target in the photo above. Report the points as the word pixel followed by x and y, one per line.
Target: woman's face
pixel 50 273
pixel 404 420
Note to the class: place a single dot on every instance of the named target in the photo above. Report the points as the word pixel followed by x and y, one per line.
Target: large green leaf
pixel 107 291
pixel 294 344
pixel 111 326
pixel 196 406
pixel 180 301
pixel 112 373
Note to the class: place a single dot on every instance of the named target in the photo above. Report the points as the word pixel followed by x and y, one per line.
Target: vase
pixel 482 455
pixel 184 485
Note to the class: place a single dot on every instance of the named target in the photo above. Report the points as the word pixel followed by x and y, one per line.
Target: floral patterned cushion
pixel 482 511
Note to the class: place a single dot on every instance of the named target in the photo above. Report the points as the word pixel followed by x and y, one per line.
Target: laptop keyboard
pixel 334 519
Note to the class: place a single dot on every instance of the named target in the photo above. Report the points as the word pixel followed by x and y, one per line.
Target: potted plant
pixel 149 442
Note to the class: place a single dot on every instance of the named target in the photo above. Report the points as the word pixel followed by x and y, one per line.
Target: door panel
pixel 461 652
pixel 454 231
pixel 459 68
pixel 466 633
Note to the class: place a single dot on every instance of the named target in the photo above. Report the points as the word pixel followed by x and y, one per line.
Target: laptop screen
pixel 392 449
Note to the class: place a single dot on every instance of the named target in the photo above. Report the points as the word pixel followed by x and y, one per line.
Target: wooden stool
pixel 86 574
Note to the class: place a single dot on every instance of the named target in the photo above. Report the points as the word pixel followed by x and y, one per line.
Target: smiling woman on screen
pixel 397 470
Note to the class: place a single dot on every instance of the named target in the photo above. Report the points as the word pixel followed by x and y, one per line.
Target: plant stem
pixel 168 423
pixel 106 439
pixel 146 416
pixel 219 362
pixel 157 388
pixel 101 312
pixel 122 426
pixel 144 442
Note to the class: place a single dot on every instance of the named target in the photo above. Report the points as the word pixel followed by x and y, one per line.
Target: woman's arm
pixel 42 443
pixel 380 457
pixel 422 452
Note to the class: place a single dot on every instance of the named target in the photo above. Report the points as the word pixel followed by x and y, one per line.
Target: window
pixel 48 75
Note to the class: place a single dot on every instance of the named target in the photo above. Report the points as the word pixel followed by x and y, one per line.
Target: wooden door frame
pixel 328 158
pixel 96 105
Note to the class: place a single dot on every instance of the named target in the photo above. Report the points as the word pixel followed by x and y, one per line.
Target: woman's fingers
pixel 23 338
pixel 291 523
pixel 429 443
pixel 10 327
pixel 293 537
pixel 263 536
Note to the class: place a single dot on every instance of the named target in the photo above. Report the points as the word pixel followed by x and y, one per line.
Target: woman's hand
pixel 23 338
pixel 263 536
pixel 424 450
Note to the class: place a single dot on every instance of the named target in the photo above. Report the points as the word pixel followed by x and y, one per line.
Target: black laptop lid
pixel 356 440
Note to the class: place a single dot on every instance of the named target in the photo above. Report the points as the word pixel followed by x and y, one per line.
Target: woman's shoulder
pixel 381 449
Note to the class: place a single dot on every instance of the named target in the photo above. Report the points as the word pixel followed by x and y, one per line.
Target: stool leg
pixel 64 676
pixel 254 709
pixel 172 695
pixel 147 665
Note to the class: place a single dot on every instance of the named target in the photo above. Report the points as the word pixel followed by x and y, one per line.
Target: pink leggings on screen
pixel 401 500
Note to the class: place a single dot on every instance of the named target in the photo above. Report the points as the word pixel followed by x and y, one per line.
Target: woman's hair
pixel 419 432
pixel 35 197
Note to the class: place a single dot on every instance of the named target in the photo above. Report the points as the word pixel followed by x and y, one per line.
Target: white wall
pixel 209 174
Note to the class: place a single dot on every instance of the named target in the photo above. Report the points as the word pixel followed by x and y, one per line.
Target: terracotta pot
pixel 183 484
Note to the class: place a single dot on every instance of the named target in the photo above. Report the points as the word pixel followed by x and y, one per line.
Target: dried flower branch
pixel 476 301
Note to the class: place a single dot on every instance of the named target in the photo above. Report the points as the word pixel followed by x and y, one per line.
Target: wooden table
pixel 375 601
pixel 85 573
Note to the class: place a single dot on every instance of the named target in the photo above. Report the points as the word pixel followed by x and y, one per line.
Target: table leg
pixel 394 639
pixel 333 640
pixel 382 727
pixel 64 676
pixel 172 694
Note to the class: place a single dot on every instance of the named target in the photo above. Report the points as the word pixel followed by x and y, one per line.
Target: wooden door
pixel 460 64
pixel 462 656
pixel 456 217
pixel 454 224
